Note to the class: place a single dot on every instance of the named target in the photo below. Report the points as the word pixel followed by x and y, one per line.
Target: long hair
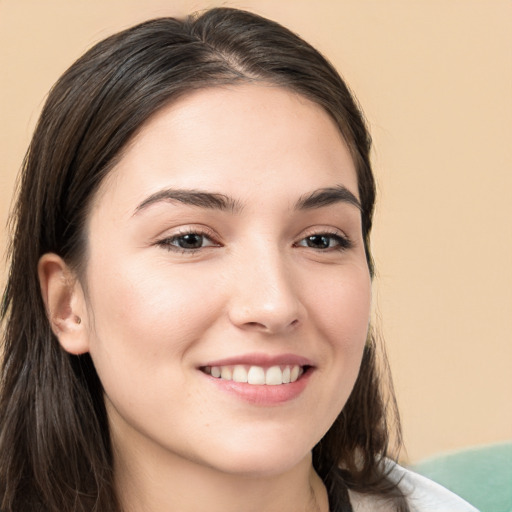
pixel 55 451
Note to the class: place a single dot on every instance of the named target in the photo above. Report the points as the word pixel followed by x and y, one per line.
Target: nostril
pixel 269 327
pixel 254 325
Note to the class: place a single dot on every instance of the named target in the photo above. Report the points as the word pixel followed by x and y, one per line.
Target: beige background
pixel 435 80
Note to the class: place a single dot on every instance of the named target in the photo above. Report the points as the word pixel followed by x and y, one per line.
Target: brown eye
pixel 325 241
pixel 190 241
pixel 319 241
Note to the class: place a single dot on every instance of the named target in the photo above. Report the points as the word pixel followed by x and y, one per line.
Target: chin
pixel 263 456
pixel 265 467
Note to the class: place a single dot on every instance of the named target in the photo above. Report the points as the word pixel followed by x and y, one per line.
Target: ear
pixel 65 303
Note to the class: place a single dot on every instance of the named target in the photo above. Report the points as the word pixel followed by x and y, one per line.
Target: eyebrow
pixel 215 201
pixel 208 200
pixel 327 196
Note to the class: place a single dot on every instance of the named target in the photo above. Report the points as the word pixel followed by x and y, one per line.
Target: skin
pixel 152 313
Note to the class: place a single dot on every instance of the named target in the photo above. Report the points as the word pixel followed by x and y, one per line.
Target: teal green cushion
pixel 480 475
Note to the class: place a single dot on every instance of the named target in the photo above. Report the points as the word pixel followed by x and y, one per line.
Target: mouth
pixel 275 375
pixel 261 379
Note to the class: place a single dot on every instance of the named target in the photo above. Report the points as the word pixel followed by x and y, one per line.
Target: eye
pixel 325 241
pixel 188 242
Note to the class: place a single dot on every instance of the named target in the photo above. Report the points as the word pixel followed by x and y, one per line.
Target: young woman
pixel 187 312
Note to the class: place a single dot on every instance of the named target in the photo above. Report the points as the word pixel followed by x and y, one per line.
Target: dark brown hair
pixel 55 452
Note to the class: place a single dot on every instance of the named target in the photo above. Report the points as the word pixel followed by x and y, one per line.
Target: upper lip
pixel 263 360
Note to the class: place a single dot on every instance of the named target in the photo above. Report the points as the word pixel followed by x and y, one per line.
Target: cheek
pixel 342 305
pixel 145 323
pixel 148 312
pixel 342 313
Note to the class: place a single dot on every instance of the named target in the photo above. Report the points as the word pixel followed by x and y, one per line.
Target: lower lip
pixel 265 395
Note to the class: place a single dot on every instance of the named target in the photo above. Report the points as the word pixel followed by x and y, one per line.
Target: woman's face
pixel 227 241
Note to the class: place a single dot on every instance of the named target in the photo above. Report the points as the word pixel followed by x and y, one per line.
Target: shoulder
pixel 368 503
pixel 422 494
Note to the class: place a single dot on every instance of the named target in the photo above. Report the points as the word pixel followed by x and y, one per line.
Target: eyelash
pixel 168 243
pixel 343 243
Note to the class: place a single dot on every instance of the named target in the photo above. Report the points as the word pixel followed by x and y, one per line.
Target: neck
pixel 149 484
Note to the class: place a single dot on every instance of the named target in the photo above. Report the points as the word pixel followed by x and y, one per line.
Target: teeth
pixel 239 373
pixel 225 373
pixel 256 375
pixel 274 376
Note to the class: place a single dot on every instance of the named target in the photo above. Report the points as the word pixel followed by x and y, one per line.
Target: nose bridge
pixel 265 295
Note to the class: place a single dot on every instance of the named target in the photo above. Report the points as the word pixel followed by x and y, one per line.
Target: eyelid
pixel 165 241
pixel 204 231
pixel 344 240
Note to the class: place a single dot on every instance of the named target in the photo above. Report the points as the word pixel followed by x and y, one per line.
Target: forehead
pixel 241 137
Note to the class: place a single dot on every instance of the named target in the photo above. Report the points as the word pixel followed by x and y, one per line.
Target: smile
pixel 256 375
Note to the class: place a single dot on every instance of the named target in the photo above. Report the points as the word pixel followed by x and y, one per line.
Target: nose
pixel 265 296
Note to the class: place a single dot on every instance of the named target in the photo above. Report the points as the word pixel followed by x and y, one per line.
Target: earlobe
pixel 65 303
